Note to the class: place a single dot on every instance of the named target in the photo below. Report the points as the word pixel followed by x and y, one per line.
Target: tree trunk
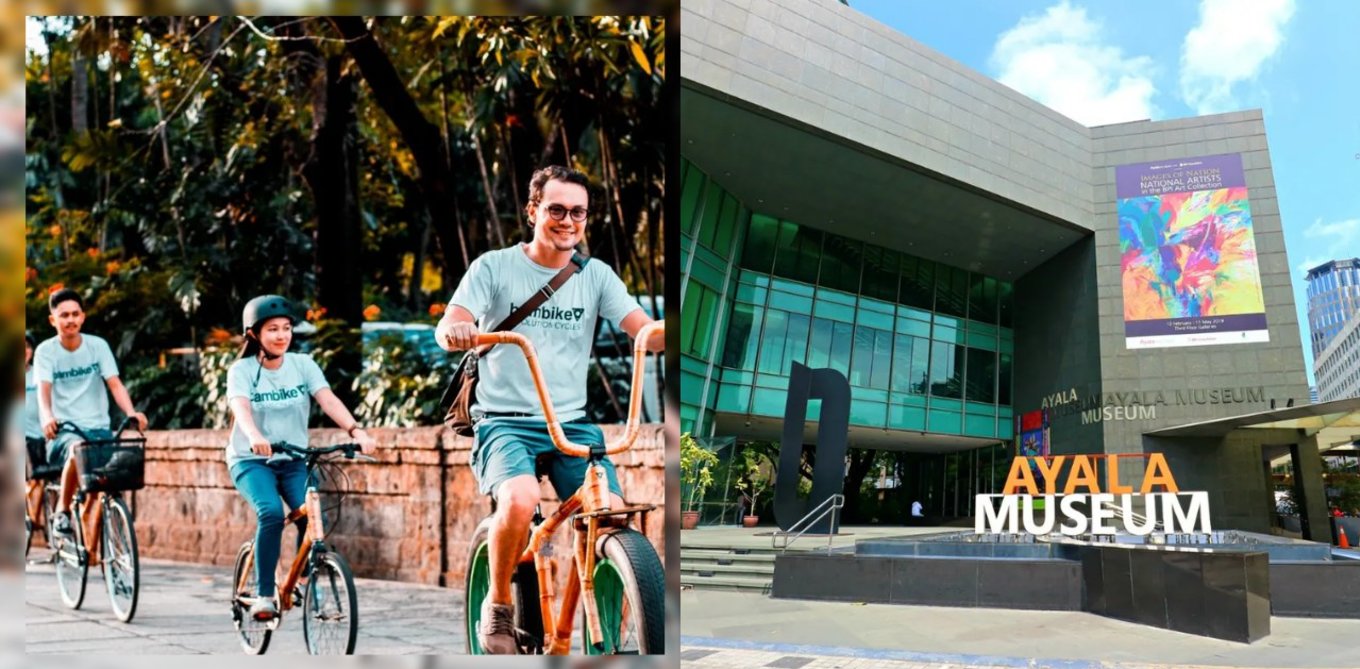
pixel 494 225
pixel 861 463
pixel 421 136
pixel 80 93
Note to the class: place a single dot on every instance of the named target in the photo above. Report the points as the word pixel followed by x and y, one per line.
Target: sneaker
pixel 496 629
pixel 264 609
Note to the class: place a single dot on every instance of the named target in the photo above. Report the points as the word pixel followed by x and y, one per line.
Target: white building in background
pixel 1338 366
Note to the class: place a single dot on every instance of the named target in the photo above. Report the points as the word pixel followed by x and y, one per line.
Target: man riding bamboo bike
pixel 510 431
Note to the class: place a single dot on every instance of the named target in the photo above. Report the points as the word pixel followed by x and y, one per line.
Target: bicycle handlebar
pixel 68 426
pixel 559 437
pixel 305 453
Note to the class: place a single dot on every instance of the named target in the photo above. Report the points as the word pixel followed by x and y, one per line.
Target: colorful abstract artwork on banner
pixel 1188 254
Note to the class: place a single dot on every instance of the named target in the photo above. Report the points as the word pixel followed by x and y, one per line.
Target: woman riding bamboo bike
pixel 270 391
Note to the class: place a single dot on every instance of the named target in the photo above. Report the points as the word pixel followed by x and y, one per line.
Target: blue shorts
pixel 58 449
pixel 507 447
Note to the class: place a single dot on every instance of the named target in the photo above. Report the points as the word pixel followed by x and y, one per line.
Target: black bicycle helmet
pixel 264 307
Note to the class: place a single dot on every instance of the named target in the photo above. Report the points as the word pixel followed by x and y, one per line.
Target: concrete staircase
pixel 712 566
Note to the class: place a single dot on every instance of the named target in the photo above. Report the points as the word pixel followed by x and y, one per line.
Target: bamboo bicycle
pixel 330 607
pixel 101 522
pixel 615 576
pixel 38 501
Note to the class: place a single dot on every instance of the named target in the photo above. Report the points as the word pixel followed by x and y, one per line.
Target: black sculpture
pixel 828 472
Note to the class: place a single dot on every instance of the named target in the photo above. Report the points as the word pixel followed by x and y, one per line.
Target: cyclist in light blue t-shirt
pixel 73 369
pixel 510 428
pixel 270 392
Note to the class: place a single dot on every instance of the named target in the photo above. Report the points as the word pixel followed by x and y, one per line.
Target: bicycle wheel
pixel 122 571
pixel 330 607
pixel 254 634
pixel 523 592
pixel 631 595
pixel 72 568
pixel 49 507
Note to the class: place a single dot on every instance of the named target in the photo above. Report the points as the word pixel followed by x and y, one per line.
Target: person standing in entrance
pixel 917 513
pixel 72 370
pixel 510 431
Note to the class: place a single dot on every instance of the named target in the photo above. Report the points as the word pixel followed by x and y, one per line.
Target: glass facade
pixel 926 347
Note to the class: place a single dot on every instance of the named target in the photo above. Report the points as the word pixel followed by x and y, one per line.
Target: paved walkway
pixel 184 609
pixel 726 629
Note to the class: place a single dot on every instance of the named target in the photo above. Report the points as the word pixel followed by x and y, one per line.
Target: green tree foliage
pixel 178 166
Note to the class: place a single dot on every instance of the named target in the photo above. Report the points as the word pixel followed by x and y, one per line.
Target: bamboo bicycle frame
pixel 311 511
pixel 591 500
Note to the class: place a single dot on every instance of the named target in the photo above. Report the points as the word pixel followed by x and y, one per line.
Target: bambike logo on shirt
pixel 75 372
pixel 1094 510
pixel 279 395
pixel 554 318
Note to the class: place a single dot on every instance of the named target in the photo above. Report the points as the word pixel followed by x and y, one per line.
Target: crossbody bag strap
pixel 577 264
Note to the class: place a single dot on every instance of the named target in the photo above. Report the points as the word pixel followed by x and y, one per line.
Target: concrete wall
pixel 1057 343
pixel 408 517
pixel 829 66
pixel 1276 365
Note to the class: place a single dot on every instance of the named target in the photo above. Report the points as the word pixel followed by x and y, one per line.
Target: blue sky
pixel 1120 60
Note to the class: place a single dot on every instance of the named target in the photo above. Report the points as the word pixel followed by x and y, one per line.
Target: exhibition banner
pixel 1188 254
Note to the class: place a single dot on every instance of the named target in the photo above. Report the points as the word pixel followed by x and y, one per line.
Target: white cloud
pixel 1309 263
pixel 1339 232
pixel 1060 59
pixel 1229 45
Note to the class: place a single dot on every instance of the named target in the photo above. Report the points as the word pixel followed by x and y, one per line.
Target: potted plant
pixel 696 463
pixel 753 482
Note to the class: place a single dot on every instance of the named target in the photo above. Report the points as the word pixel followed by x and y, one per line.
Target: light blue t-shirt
pixel 280 401
pixel 32 424
pixel 77 378
pixel 562 329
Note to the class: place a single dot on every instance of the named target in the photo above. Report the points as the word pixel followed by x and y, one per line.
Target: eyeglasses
pixel 557 212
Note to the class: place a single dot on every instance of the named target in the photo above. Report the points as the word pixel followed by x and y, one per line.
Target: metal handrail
pixel 831 505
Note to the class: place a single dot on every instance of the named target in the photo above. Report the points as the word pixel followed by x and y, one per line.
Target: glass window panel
pixel 758 253
pixel 842 336
pixel 880 273
pixel 874 319
pixel 794 303
pixel 917 287
pixel 842 260
pixel 863 361
pixel 1003 298
pixel 982 298
pixel 1003 396
pixel 727 226
pixel 913 327
pixel 703 329
pixel 743 334
pixel 944 422
pixel 689 196
pixel 920 364
pixel 796 342
pixel 799 253
pixel 819 351
pixel 835 312
pixel 944 333
pixel 873 414
pixel 979 426
pixel 906 418
pixel 709 213
pixel 951 291
pixel 946 370
pixel 772 342
pixel 882 371
pixel 768 401
pixel 981 376
pixel 901 363
pixel 793 287
pixel 734 398
pixel 689 316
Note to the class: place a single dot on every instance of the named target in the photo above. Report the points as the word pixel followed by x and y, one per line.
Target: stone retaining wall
pixel 408 517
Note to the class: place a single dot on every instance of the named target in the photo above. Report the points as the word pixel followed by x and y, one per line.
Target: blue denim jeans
pixel 267 487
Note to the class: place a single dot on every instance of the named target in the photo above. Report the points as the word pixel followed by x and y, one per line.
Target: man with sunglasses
pixel 510 431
